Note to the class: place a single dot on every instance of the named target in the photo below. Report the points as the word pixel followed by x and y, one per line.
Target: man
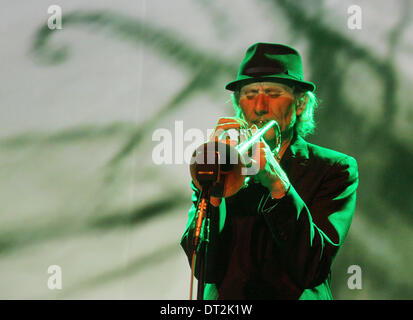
pixel 277 238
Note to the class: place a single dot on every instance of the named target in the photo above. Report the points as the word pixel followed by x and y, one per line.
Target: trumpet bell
pixel 218 166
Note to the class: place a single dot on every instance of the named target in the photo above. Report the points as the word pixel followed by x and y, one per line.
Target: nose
pixel 261 104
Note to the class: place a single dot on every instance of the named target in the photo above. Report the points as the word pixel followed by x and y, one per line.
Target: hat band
pixel 261 71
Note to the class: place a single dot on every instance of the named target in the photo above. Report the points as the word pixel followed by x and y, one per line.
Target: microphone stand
pixel 207 174
pixel 203 251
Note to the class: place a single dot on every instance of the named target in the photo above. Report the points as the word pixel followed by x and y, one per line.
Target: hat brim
pixel 285 79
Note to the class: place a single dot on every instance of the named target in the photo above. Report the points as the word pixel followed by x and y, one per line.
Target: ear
pixel 301 104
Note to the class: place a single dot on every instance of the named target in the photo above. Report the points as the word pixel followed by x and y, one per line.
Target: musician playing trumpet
pixel 277 237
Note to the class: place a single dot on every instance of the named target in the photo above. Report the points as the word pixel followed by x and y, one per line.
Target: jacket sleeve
pixel 217 221
pixel 309 237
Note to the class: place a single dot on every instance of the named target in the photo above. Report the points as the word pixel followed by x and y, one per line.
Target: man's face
pixel 261 102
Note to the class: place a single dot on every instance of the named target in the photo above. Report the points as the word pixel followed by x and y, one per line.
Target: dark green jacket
pixel 281 249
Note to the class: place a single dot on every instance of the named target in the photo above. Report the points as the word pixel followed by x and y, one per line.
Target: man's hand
pixel 224 125
pixel 269 172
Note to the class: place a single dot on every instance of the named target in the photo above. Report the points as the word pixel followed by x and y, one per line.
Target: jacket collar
pixel 298 149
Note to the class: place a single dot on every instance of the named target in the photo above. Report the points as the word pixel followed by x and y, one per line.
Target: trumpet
pixel 224 169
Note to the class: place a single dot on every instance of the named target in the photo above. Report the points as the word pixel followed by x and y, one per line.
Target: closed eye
pixel 251 94
pixel 273 94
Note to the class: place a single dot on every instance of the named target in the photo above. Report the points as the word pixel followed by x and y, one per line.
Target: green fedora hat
pixel 273 63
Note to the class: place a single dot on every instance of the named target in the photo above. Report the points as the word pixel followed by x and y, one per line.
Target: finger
pixel 242 123
pixel 231 134
pixel 254 129
pixel 256 155
pixel 254 167
pixel 226 124
pixel 219 130
pixel 223 127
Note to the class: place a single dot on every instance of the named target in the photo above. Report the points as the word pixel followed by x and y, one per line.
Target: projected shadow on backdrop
pixel 331 55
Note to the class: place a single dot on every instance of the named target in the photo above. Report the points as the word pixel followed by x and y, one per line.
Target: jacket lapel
pixel 298 149
pixel 295 159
